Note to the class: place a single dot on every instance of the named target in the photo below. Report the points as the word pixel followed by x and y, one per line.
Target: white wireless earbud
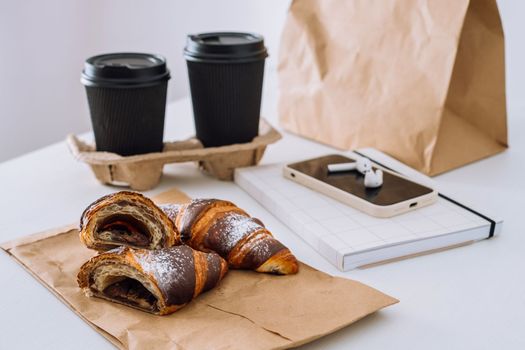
pixel 363 165
pixel 373 179
pixel 340 167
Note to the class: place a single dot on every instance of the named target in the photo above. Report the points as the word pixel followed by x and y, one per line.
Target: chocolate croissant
pixel 126 218
pixel 157 281
pixel 130 219
pixel 220 226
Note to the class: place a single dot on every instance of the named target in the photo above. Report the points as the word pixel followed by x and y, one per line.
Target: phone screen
pixel 395 189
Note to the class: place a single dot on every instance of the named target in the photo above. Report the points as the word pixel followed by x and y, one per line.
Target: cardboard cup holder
pixel 143 171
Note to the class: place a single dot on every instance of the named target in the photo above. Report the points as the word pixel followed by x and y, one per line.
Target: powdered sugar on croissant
pixel 157 281
pixel 220 226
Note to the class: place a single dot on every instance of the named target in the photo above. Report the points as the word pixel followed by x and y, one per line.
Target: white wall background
pixel 43 45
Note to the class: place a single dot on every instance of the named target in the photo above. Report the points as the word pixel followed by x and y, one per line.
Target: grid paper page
pixel 335 229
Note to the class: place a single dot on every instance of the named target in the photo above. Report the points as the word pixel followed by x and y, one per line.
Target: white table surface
pixel 465 298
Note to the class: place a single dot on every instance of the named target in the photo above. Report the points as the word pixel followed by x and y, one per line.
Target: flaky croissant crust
pixel 159 230
pixel 172 276
pixel 203 224
pixel 220 226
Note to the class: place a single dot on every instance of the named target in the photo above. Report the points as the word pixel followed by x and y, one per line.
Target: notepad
pixel 349 238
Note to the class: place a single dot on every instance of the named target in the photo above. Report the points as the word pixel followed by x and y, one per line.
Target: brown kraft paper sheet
pixel 247 309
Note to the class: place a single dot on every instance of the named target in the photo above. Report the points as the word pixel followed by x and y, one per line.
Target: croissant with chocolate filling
pixel 126 218
pixel 157 281
pixel 220 226
pixel 130 219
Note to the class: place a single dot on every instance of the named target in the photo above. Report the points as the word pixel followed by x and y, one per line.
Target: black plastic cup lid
pixel 225 47
pixel 124 69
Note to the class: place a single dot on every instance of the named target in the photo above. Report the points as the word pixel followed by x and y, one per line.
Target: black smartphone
pixel 397 194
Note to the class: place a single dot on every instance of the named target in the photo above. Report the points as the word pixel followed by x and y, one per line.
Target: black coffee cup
pixel 226 76
pixel 127 100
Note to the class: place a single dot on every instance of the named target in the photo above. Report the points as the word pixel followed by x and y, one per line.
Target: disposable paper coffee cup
pixel 127 101
pixel 226 76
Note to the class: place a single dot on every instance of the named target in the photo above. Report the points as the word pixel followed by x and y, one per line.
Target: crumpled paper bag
pixel 247 310
pixel 421 80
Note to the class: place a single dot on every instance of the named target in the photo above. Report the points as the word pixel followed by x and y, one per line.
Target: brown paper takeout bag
pixel 421 80
pixel 248 310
